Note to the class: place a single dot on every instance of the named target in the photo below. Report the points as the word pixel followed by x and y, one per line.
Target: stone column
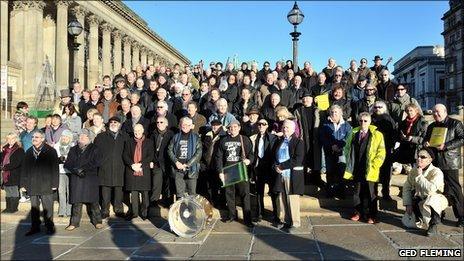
pixel 26 48
pixel 135 55
pixel 4 33
pixel 143 57
pixel 116 52
pixel 92 74
pixel 106 49
pixel 127 52
pixel 156 60
pixel 150 58
pixel 49 36
pixel 62 52
pixel 79 12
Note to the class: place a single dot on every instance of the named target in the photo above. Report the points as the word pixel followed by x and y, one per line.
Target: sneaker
pixel 24 199
pixel 356 217
pixel 99 226
pixel 70 228
pixel 370 221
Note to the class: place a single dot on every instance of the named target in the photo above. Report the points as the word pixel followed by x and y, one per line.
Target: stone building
pixel 34 33
pixel 453 34
pixel 423 70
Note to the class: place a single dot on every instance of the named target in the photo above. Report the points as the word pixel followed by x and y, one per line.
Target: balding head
pixel 288 128
pixel 439 112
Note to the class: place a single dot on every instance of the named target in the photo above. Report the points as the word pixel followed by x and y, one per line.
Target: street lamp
pixel 295 17
pixel 75 29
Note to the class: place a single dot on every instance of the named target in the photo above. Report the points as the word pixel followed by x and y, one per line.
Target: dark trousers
pixel 168 189
pixel 135 203
pixel 93 210
pixel 185 185
pixel 435 220
pixel 261 181
pixel 365 199
pixel 156 185
pixel 453 191
pixel 243 191
pixel 385 175
pixel 106 199
pixel 47 205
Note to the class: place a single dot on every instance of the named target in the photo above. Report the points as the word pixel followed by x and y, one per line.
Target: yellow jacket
pixel 375 154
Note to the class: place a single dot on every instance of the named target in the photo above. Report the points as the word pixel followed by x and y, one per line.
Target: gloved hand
pixel 79 172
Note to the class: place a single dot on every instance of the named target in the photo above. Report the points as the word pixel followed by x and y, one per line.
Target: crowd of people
pixel 152 135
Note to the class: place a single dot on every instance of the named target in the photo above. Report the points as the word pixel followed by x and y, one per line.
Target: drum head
pixel 187 217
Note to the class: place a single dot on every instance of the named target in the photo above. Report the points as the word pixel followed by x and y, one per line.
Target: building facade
pixel 35 34
pixel 453 34
pixel 423 70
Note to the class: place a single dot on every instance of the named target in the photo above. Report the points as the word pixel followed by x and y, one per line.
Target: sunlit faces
pixel 439 112
pixel 138 131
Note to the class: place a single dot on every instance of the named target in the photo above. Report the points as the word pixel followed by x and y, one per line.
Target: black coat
pixel 296 151
pixel 129 130
pixel 84 189
pixel 16 160
pixel 450 158
pixel 161 158
pixel 358 107
pixel 111 172
pixel 387 126
pixel 39 176
pixel 407 150
pixel 138 183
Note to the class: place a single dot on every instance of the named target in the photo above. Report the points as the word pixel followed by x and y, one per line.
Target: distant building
pixel 423 70
pixel 454 34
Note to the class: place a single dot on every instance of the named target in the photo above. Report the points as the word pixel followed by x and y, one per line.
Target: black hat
pixel 429 151
pixel 252 111
pixel 362 78
pixel 120 79
pixel 306 93
pixel 65 93
pixel 377 57
pixel 216 122
pixel 115 118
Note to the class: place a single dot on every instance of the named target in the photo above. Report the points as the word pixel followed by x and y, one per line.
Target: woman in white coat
pixel 423 192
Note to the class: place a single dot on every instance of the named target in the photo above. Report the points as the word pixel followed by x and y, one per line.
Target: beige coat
pixel 429 186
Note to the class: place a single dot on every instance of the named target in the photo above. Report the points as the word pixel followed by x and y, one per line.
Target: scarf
pixel 36 151
pixel 409 123
pixel 138 154
pixel 7 152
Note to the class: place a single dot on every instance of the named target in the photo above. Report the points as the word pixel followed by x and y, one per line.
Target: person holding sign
pixel 235 148
pixel 288 154
pixel 446 136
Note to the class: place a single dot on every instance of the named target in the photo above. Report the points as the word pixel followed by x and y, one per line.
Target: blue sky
pixel 345 30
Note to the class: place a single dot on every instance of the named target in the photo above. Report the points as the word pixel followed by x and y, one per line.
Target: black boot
pixel 14 204
pixel 8 205
pixel 432 230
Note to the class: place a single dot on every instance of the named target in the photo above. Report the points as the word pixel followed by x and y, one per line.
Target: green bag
pixel 234 174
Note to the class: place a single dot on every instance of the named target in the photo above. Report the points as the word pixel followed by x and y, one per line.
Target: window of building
pixel 451 67
pixel 451 83
pixel 441 84
pixel 423 86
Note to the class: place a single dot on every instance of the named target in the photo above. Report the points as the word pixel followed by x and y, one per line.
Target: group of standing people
pixel 155 134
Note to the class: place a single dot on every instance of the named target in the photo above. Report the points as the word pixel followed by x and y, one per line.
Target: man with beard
pixel 83 161
pixel 263 143
pixel 40 178
pixel 111 172
pixel 366 104
pixel 232 149
pixel 162 182
pixel 385 88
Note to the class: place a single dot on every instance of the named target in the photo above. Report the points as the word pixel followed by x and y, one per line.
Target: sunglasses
pixel 159 122
pixel 185 94
pixel 400 89
pixel 159 107
pixel 422 157
pixel 363 121
pixel 363 62
pixel 262 124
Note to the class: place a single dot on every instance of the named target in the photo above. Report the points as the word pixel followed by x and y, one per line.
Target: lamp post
pixel 75 29
pixel 295 17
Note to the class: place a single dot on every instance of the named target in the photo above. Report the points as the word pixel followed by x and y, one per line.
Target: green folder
pixel 234 174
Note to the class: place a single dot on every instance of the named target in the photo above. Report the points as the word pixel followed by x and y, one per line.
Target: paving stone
pixel 15 237
pixel 165 235
pixel 36 252
pixel 267 244
pixel 353 242
pixel 457 239
pixel 266 227
pixel 120 238
pixel 286 256
pixel 316 221
pixel 60 240
pixel 156 251
pixel 233 227
pixel 417 238
pixel 226 244
pixel 97 254
pixel 218 257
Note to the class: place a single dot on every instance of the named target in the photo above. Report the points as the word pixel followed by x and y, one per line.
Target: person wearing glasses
pixel 385 87
pixel 162 181
pixel 262 74
pixel 366 104
pixel 448 157
pixel 40 178
pixel 387 126
pixel 363 69
pixel 423 192
pixel 399 103
pixel 364 154
pixel 111 172
pixel 263 142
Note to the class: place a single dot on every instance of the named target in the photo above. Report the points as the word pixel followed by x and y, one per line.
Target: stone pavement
pixel 320 237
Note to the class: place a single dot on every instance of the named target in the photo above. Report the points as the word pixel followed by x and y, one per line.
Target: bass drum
pixel 189 216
